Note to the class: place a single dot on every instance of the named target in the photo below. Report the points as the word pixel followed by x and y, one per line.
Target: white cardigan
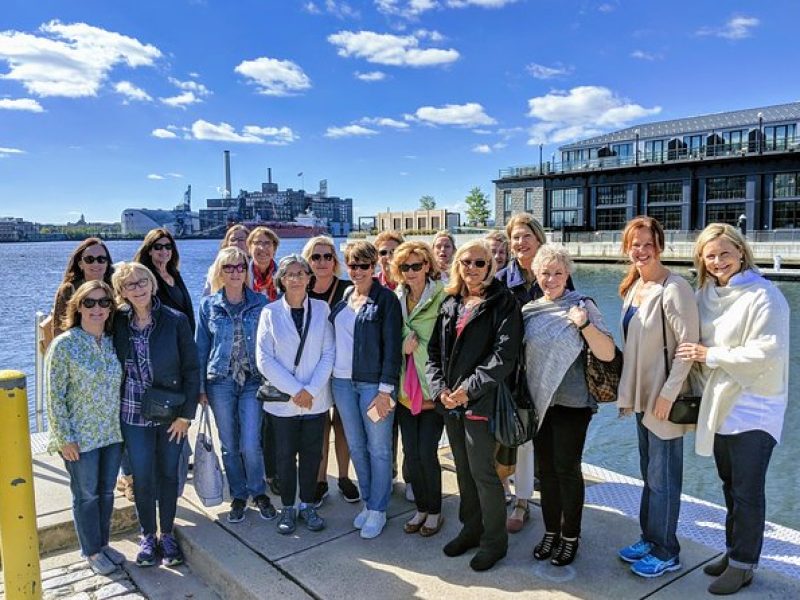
pixel 276 349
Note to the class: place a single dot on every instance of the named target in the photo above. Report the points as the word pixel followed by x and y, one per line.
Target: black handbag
pixel 686 408
pixel 267 392
pixel 159 404
pixel 515 417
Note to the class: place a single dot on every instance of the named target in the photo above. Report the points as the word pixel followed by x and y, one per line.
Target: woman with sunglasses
pixel 368 324
pixel 421 294
pixel 473 348
pixel 235 237
pixel 320 253
pixel 229 379
pixel 82 382
pixel 159 253
pixel 156 347
pixel 387 242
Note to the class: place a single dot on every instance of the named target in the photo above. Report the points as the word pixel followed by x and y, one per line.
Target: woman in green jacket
pixel 420 293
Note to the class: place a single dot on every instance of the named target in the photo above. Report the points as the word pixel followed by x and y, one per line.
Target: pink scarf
pixel 412 387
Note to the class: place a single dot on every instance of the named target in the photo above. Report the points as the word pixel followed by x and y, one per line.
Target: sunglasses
pixel 91 302
pixel 167 246
pixel 90 260
pixel 141 283
pixel 240 268
pixel 328 257
pixel 386 252
pixel 363 267
pixel 416 267
pixel 469 263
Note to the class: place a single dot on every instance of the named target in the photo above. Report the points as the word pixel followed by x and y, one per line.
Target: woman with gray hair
pixel 560 327
pixel 295 352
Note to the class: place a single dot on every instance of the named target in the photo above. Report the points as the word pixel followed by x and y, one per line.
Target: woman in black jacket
pixel 474 347
pixel 159 360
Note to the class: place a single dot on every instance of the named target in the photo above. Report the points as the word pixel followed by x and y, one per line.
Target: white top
pixel 752 412
pixel 345 327
pixel 276 348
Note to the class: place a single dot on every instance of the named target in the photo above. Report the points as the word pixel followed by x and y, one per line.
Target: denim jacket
pixel 215 334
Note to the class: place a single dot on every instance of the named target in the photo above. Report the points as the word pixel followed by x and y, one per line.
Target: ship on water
pixel 305 225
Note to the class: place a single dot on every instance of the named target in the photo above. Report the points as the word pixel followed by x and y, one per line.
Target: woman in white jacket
pixel 303 374
pixel 743 358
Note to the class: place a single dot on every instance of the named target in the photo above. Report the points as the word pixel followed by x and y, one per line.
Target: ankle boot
pixel 717 568
pixel 731 581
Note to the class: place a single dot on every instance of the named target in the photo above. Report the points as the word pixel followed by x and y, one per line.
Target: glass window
pixel 778 137
pixel 564 198
pixel 529 201
pixel 611 194
pixel 734 140
pixel 558 218
pixel 664 191
pixel 622 150
pixel 726 188
pixel 507 200
pixel 786 215
pixel 724 213
pixel 786 185
pixel 565 207
pixel 693 143
pixel 668 216
pixel 611 219
pixel 654 151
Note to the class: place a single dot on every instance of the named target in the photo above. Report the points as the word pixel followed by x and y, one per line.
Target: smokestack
pixel 227 174
pixel 269 174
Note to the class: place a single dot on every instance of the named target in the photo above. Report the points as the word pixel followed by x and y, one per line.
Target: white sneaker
pixel 409 493
pixel 361 518
pixel 376 520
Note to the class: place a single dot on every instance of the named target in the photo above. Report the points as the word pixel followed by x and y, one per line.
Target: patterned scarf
pixel 263 282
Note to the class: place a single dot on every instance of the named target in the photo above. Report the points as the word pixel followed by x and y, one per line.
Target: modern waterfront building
pixel 180 221
pixel 685 172
pixel 422 220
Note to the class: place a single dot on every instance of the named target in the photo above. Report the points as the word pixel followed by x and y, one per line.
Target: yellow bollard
pixel 19 540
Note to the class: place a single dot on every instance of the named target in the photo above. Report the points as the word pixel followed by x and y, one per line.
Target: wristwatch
pixel 586 323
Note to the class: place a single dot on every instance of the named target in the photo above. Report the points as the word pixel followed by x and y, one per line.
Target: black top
pixel 176 297
pixel 334 293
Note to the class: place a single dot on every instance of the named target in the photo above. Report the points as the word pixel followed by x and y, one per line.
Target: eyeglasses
pixel 386 252
pixel 469 263
pixel 141 283
pixel 354 266
pixel 237 240
pixel 416 267
pixel 100 260
pixel 168 246
pixel 328 257
pixel 263 244
pixel 240 268
pixel 91 302
pixel 298 275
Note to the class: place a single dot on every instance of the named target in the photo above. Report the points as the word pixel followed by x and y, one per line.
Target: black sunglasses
pixel 384 252
pixel 240 268
pixel 167 246
pixel 363 267
pixel 91 302
pixel 100 260
pixel 468 263
pixel 328 256
pixel 416 267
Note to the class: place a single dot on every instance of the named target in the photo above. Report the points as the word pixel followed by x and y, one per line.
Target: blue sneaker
pixel 650 566
pixel 635 551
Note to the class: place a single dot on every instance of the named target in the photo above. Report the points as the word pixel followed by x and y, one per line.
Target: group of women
pixel 427 344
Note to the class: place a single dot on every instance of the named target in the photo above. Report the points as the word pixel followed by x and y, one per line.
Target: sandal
pixel 426 531
pixel 544 549
pixel 520 514
pixel 413 526
pixel 565 553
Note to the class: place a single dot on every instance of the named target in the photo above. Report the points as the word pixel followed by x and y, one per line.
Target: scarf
pixel 263 282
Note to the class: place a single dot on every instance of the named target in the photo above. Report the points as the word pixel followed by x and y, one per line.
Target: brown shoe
pixel 411 526
pixel 425 531
pixel 516 521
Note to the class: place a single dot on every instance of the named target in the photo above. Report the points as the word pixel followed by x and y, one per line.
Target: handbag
pixel 686 408
pixel 515 418
pixel 159 404
pixel 602 378
pixel 208 484
pixel 267 392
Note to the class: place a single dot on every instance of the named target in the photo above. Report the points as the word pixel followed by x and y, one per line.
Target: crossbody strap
pixel 303 337
pixel 664 326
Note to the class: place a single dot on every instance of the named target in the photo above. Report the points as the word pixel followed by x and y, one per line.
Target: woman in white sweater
pixel 295 353
pixel 743 358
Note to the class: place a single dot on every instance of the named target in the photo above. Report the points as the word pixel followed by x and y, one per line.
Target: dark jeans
pixel 482 509
pixel 268 448
pixel 661 463
pixel 91 481
pixel 154 462
pixel 421 434
pixel 742 462
pixel 298 437
pixel 125 465
pixel 559 447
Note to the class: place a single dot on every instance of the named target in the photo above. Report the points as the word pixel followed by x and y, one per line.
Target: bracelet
pixel 586 323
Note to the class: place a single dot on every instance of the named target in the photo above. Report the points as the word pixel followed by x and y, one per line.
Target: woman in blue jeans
pixel 368 325
pixel 229 378
pixel 82 380
pixel 156 347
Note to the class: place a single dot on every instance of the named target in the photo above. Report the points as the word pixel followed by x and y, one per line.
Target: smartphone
pixel 372 412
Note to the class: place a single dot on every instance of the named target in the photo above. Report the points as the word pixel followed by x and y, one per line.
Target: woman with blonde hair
pixel 743 368
pixel 235 237
pixel 229 378
pixel 659 312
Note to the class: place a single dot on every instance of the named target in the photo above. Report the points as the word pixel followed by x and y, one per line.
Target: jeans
pixel 742 462
pixel 661 463
pixel 421 435
pixel 125 465
pixel 559 446
pixel 298 437
pixel 91 481
pixel 238 415
pixel 154 462
pixel 482 509
pixel 370 443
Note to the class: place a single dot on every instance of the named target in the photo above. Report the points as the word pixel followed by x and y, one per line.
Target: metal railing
pixel 38 403
pixel 772 236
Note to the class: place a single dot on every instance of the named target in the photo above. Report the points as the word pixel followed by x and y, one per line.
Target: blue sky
pixel 109 105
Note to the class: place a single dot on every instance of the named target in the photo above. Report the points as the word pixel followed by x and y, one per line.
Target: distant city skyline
pixel 104 108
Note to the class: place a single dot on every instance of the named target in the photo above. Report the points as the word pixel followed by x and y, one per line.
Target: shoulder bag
pixel 267 392
pixel 515 417
pixel 159 404
pixel 208 483
pixel 602 377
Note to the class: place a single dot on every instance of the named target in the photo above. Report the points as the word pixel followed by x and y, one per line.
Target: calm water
pixel 34 271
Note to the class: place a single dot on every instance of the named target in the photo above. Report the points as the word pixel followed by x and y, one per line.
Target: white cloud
pixel 462 115
pixel 349 131
pixel 481 3
pixel 311 8
pixel 608 7
pixel 544 72
pixel 411 9
pixel 649 56
pixel 428 34
pixel 737 28
pixel 175 175
pixel 272 136
pixel 583 111
pixel 70 60
pixel 181 100
pixel 191 86
pixel 499 145
pixel 274 77
pixel 250 134
pixel 155 176
pixel 482 149
pixel 340 10
pixel 193 92
pixel 28 104
pixel 370 76
pixel 164 134
pixel 131 92
pixel 385 122
pixel 389 49
pixel 6 152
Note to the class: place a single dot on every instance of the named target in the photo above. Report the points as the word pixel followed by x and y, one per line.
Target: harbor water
pixel 35 270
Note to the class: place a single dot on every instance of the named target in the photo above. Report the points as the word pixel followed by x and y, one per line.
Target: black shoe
pixel 349 490
pixel 459 545
pixel 537 485
pixel 565 552
pixel 265 508
pixel 544 549
pixel 716 568
pixel 236 515
pixel 731 581
pixel 320 493
pixel 483 560
pixel 274 486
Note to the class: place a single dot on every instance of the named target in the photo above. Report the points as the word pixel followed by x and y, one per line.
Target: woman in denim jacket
pixel 229 378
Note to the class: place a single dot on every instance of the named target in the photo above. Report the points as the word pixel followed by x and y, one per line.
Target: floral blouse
pixel 82 391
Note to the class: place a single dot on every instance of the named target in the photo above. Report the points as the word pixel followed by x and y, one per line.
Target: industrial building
pixel 419 220
pixel 180 221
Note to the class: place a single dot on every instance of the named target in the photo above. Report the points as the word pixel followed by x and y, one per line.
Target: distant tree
pixel 477 207
pixel 427 203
